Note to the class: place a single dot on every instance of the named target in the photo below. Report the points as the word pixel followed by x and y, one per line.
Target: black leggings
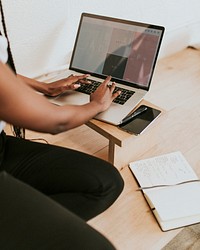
pixel 83 184
pixel 31 221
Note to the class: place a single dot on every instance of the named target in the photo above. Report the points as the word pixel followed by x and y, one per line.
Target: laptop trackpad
pixel 71 98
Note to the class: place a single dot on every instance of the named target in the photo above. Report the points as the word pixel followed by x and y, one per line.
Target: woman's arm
pixel 21 106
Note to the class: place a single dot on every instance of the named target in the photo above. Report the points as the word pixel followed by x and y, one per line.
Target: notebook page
pixel 168 169
pixel 176 202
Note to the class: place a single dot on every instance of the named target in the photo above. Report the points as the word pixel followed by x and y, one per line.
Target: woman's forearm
pixel 36 85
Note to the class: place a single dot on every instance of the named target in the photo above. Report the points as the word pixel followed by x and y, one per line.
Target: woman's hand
pixel 104 94
pixel 70 83
pixel 58 87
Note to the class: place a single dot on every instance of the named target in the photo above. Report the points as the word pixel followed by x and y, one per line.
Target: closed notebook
pixel 171 188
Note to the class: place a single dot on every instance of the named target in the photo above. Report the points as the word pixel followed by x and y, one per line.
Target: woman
pixel 84 185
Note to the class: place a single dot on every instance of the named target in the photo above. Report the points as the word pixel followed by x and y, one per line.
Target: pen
pixel 134 114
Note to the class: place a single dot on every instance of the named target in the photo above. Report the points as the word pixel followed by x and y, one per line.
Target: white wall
pixel 42 32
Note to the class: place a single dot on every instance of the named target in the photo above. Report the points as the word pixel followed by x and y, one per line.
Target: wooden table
pixel 120 142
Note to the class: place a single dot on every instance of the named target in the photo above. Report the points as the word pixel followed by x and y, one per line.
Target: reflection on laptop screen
pixel 123 49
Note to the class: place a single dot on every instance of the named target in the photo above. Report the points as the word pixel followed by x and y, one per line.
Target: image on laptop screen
pixel 126 50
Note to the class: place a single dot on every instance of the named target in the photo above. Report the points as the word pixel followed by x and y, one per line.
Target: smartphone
pixel 141 121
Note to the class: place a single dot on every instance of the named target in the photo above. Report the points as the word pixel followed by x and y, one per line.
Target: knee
pixel 118 181
pixel 115 182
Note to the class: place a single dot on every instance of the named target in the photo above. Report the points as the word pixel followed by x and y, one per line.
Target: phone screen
pixel 139 123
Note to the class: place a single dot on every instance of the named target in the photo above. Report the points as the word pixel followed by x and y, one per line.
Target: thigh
pixel 30 220
pixel 51 169
pixel 82 183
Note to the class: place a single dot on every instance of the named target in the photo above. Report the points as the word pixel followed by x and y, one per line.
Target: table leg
pixel 111 151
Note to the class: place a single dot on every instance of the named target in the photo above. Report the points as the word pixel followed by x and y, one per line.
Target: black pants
pixel 83 184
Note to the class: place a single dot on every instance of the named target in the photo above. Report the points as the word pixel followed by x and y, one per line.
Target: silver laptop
pixel 126 50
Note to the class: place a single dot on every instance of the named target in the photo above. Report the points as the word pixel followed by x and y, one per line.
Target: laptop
pixel 126 50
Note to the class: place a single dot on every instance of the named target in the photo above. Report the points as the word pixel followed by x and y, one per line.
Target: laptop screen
pixel 126 50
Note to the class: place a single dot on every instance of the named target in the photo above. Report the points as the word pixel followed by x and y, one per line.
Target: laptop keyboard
pixel 90 88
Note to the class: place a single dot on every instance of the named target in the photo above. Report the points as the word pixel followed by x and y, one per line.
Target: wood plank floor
pixel 129 223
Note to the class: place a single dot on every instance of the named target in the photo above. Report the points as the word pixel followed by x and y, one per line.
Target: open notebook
pixel 171 188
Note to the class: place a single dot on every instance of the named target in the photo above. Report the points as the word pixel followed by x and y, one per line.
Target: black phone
pixel 140 121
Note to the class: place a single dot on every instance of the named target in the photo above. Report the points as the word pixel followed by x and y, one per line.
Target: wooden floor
pixel 129 223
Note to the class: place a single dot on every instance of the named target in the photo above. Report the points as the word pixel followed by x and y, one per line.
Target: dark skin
pixel 58 87
pixel 22 106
